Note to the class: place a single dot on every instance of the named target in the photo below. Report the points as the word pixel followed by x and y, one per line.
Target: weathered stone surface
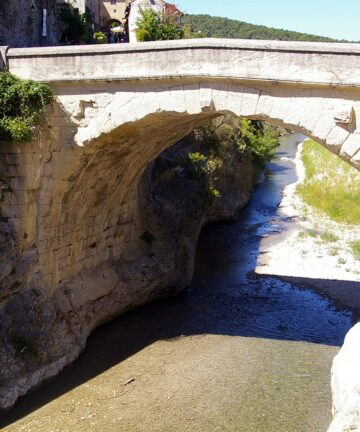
pixel 345 383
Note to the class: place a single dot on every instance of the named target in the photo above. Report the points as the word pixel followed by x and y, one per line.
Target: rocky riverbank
pixel 314 247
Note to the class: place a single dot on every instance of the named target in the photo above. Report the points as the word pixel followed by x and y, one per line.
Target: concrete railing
pixel 305 63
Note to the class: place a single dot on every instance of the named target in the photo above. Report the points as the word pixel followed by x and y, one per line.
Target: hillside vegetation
pixel 218 27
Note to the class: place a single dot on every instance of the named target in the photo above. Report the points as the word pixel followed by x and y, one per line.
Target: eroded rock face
pixel 345 384
pixel 89 233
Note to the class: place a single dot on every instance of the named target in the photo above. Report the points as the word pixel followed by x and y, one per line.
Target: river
pixel 236 352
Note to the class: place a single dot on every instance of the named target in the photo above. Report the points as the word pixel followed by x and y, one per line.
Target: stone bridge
pixel 71 225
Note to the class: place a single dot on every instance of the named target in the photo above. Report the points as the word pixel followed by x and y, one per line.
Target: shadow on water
pixel 226 298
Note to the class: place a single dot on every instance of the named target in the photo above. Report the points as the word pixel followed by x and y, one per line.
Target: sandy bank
pixel 314 251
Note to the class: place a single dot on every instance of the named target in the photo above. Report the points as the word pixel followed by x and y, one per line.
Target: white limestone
pixel 345 383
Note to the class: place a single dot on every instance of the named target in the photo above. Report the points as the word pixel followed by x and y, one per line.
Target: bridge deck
pixel 306 63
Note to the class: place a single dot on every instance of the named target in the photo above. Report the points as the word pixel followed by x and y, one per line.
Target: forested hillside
pixel 218 27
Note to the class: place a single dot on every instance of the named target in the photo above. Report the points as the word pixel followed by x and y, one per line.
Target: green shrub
pixel 100 37
pixel 198 162
pixel 22 104
pixel 260 139
pixel 152 26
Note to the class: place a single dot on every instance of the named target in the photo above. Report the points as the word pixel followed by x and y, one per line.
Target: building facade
pixel 25 23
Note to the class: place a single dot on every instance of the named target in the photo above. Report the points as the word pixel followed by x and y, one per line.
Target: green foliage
pixel 221 136
pixel 153 26
pixel 218 27
pixel 355 248
pixel 78 27
pixel 331 185
pixel 100 37
pixel 260 139
pixel 198 162
pixel 207 166
pixel 22 104
pixel 189 34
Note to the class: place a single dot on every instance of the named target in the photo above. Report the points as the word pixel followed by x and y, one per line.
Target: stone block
pixel 249 101
pixel 192 98
pixel 234 98
pixel 350 147
pixel 219 95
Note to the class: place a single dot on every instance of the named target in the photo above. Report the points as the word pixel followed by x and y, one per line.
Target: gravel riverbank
pixel 313 250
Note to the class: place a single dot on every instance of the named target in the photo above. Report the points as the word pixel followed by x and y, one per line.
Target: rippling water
pixel 236 352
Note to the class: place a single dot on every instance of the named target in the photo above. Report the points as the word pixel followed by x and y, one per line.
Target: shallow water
pixel 236 352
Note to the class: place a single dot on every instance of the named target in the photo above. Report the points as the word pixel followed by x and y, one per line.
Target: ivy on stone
pixel 22 105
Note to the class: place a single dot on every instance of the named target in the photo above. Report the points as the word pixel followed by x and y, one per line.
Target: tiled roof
pixel 171 9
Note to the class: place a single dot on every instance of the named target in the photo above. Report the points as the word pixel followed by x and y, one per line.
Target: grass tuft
pixel 355 248
pixel 329 237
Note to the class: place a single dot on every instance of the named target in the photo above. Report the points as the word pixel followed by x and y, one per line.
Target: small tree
pixel 152 26
pixel 78 27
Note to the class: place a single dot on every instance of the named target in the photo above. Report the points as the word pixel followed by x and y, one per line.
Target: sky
pixel 339 19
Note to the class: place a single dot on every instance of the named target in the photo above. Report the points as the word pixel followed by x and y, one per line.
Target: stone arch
pixel 88 259
pixel 331 121
pixel 119 135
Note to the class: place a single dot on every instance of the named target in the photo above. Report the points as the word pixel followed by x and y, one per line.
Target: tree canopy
pixel 218 27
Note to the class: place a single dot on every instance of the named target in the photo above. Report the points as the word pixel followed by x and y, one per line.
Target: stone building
pixel 113 11
pixel 104 12
pixel 25 23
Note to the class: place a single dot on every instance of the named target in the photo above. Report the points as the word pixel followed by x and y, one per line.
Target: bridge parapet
pixel 306 63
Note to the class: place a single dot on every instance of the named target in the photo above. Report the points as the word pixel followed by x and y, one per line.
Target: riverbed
pixel 236 352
